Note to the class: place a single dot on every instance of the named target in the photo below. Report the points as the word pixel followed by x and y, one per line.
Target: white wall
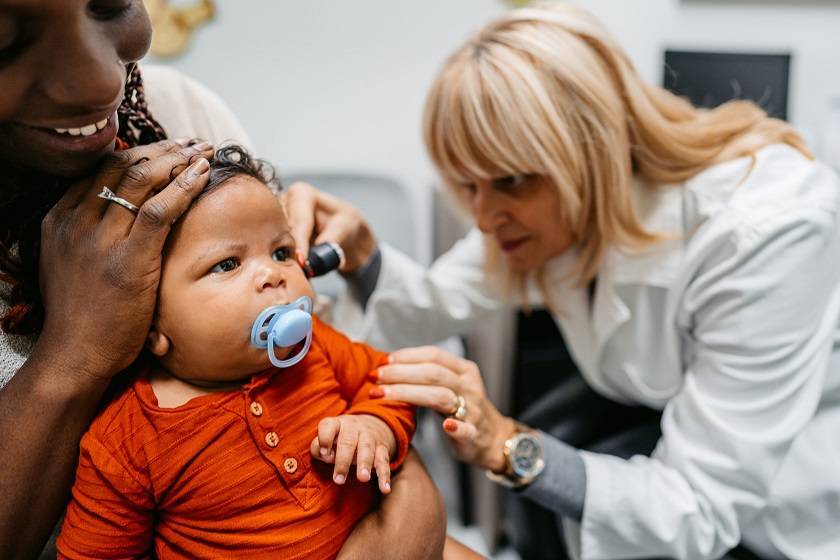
pixel 809 30
pixel 339 85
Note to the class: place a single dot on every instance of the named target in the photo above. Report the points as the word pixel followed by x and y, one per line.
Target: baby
pixel 207 453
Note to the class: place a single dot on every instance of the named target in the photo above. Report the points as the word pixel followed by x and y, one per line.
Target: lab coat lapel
pixel 609 311
pixel 660 211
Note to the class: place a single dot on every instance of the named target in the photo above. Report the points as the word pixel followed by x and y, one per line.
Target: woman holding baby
pixel 687 256
pixel 80 273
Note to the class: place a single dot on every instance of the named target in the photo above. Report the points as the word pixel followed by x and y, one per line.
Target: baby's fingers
pixel 315 450
pixel 345 452
pixel 364 456
pixel 328 429
pixel 383 468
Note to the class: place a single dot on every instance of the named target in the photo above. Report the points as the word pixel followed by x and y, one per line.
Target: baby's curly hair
pixel 233 160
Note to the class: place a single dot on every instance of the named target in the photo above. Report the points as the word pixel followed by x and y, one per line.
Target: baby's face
pixel 229 258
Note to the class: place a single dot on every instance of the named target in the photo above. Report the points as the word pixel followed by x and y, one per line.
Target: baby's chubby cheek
pixel 213 333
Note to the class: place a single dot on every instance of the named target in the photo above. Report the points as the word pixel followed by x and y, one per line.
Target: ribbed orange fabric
pixel 200 481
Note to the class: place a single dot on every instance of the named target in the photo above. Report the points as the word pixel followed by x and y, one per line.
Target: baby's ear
pixel 157 343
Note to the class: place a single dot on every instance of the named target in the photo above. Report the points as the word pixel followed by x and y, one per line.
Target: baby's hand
pixel 362 439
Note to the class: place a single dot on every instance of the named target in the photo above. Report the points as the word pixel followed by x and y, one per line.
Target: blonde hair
pixel 547 90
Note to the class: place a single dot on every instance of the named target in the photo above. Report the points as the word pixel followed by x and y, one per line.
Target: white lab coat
pixel 730 327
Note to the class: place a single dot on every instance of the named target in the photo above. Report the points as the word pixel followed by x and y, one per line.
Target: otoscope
pixel 323 258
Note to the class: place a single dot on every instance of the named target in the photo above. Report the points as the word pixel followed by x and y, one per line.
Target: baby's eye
pixel 282 254
pixel 226 265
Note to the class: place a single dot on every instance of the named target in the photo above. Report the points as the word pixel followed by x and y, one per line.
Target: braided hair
pixel 29 195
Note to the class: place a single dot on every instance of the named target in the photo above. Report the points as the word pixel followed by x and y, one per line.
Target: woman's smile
pixel 73 136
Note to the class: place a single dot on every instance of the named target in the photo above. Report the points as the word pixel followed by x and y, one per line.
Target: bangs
pixel 547 91
pixel 483 119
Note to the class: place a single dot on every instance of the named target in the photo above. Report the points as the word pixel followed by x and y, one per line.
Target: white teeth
pixel 85 130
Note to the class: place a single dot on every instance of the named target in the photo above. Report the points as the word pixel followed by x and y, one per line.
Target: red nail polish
pixel 377 392
pixel 374 376
pixel 450 425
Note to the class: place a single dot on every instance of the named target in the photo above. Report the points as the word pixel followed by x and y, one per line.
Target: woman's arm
pixel 410 304
pixel 763 313
pixel 44 410
pixel 433 378
pixel 100 270
pixel 410 522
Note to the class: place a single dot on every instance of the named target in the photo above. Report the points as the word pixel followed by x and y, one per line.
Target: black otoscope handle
pixel 322 259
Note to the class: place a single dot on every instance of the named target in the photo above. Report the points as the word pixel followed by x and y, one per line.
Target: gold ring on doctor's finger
pixel 459 410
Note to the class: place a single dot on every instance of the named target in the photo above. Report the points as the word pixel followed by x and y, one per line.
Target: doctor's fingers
pixel 460 432
pixel 440 399
pixel 300 202
pixel 425 373
pixel 316 216
pixel 423 354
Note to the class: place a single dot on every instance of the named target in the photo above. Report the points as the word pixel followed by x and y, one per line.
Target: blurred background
pixel 334 91
pixel 339 86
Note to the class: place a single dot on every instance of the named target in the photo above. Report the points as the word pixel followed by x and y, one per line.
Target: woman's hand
pixel 433 378
pixel 100 263
pixel 317 217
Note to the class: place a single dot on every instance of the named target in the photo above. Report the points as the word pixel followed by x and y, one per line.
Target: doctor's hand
pixel 433 378
pixel 317 217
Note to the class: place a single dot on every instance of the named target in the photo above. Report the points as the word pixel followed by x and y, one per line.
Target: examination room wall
pixel 332 85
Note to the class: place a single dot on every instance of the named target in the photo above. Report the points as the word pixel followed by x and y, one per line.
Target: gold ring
pixel 459 411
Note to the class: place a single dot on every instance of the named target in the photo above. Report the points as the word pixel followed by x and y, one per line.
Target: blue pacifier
pixel 283 326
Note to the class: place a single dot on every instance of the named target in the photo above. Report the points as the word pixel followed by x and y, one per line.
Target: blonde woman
pixel 690 259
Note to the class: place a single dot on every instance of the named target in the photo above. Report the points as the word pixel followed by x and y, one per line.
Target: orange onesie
pixel 229 474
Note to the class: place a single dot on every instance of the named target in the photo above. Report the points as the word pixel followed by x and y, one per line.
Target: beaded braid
pixel 137 125
pixel 28 196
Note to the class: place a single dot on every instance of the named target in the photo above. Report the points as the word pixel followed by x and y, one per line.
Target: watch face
pixel 525 456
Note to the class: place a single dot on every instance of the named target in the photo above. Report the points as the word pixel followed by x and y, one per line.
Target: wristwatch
pixel 523 459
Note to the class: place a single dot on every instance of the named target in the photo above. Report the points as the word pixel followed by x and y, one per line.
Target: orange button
pixel 256 408
pixel 272 439
pixel 290 465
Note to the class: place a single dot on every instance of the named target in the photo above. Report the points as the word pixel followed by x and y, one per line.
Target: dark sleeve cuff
pixel 362 283
pixel 561 487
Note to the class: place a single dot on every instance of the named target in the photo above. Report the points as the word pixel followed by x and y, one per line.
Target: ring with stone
pixel 109 195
